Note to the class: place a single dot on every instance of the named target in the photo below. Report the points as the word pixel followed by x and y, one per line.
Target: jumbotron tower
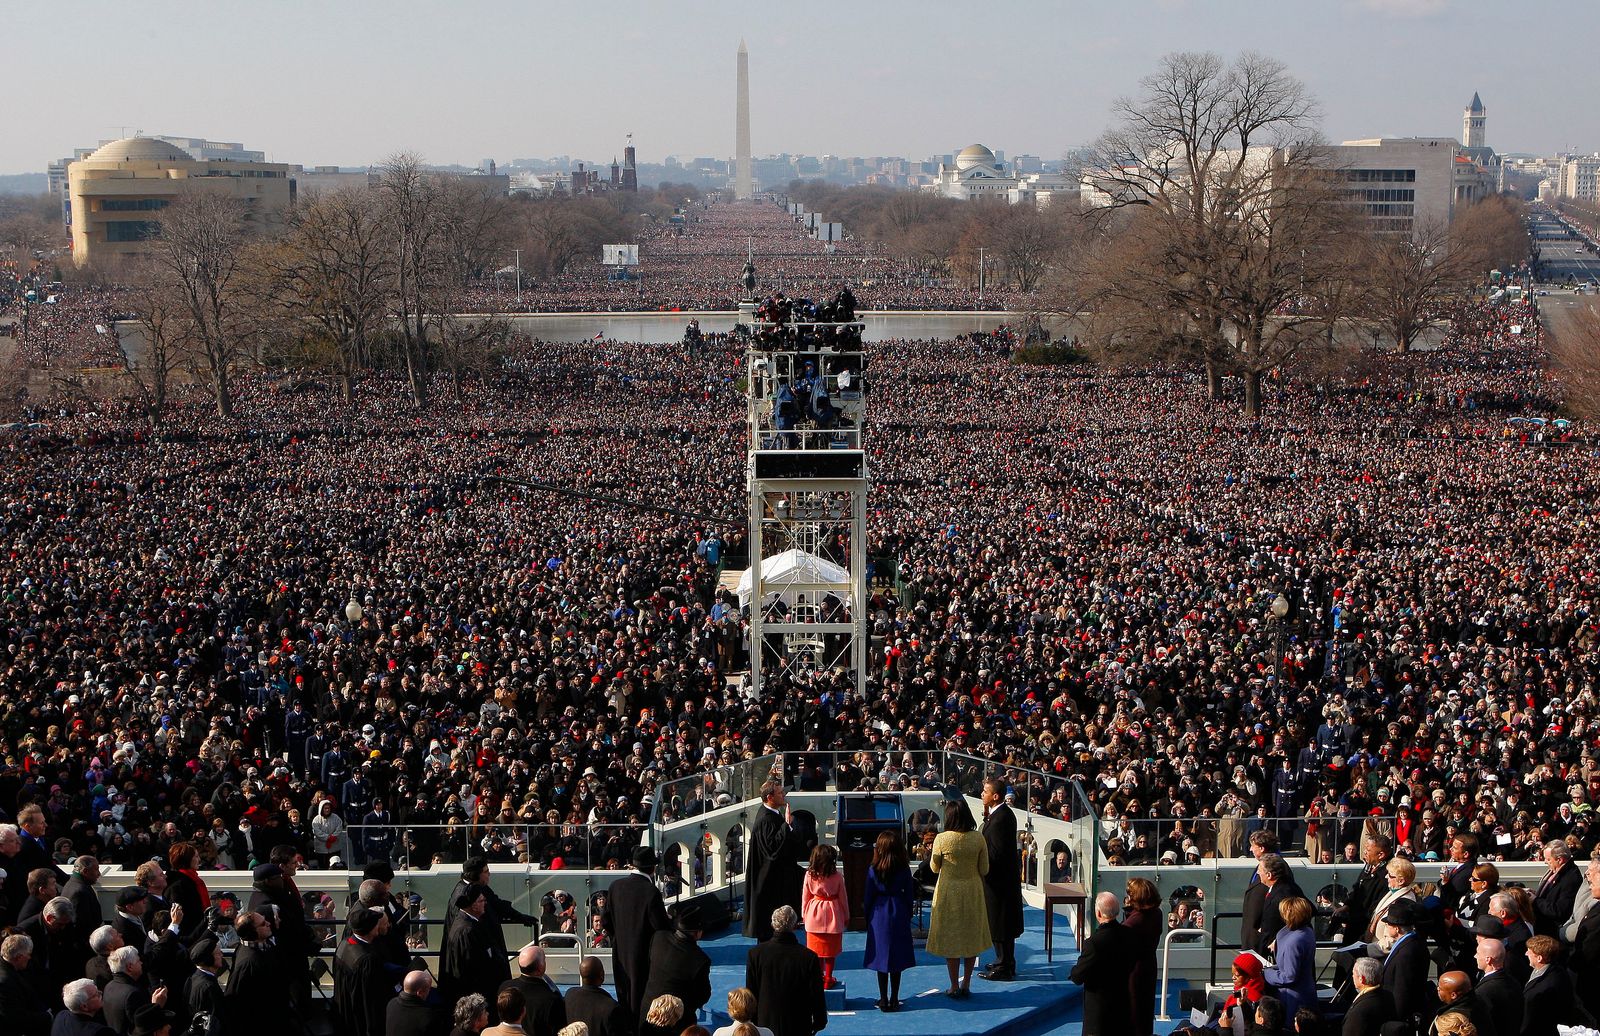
pixel 807 476
pixel 741 133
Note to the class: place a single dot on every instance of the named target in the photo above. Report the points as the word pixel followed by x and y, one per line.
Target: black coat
pixel 133 930
pixel 58 957
pixel 680 967
pixel 772 872
pixel 546 1011
pixel 69 1024
pixel 1549 1001
pixel 787 981
pixel 1585 961
pixel 1102 970
pixel 182 890
pixel 22 1009
pixel 202 994
pixel 291 934
pixel 1250 907
pixel 1369 888
pixel 473 960
pixel 596 1009
pixel 634 913
pixel 124 996
pixel 86 904
pixel 1503 997
pixel 495 908
pixel 410 1015
pixel 1271 919
pixel 1368 1014
pixel 1002 886
pixel 1405 976
pixel 256 998
pixel 361 989
pixel 1552 904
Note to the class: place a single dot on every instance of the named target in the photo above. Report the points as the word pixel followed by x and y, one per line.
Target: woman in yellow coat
pixel 959 931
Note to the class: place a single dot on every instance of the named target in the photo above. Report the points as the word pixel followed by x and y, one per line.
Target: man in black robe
pixel 772 871
pixel 633 914
pixel 361 986
pixel 474 958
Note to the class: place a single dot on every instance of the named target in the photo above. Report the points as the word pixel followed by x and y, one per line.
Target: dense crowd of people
pixel 674 272
pixel 332 634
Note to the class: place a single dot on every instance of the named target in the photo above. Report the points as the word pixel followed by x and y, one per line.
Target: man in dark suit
pixel 257 996
pixel 133 904
pixel 678 966
pixel 590 1004
pixel 1276 876
pixel 1369 888
pixel 633 914
pixel 476 872
pixel 473 959
pixel 1552 903
pixel 1497 988
pixel 1002 886
pixel 1463 852
pixel 34 827
pixel 772 870
pixel 1255 894
pixel 81 1016
pixel 544 1012
pixel 1373 1007
pixel 413 1012
pixel 80 889
pixel 361 987
pixel 1549 999
pixel 202 993
pixel 13 874
pixel 128 991
pixel 1102 970
pixel 1405 967
pixel 1504 923
pixel 22 1009
pixel 786 978
pixel 60 951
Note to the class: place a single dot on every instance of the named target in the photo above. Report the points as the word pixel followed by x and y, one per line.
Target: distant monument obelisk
pixel 741 174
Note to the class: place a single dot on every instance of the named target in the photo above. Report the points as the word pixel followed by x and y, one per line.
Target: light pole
pixel 1280 612
pixel 352 609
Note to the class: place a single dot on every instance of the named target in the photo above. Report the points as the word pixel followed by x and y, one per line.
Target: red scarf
pixel 205 894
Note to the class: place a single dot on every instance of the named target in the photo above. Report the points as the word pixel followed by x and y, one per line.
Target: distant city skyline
pixel 349 84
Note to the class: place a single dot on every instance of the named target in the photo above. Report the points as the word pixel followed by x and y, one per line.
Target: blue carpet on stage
pixel 1040 1001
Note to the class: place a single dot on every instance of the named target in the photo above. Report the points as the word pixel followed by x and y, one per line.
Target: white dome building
pixel 975 175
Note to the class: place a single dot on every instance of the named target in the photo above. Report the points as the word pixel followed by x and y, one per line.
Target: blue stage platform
pixel 1040 1001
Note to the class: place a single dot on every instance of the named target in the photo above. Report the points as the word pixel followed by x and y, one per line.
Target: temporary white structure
pixel 796 573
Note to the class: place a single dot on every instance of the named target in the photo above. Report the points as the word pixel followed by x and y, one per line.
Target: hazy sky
pixel 350 81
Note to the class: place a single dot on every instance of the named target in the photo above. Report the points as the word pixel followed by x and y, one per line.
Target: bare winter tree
pixel 334 268
pixel 1575 355
pixel 1209 149
pixel 412 202
pixel 165 327
pixel 472 237
pixel 199 258
pixel 1408 278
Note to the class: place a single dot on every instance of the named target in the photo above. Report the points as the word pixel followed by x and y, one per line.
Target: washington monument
pixel 741 175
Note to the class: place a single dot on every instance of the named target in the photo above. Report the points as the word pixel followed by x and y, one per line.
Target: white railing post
pixel 1166 957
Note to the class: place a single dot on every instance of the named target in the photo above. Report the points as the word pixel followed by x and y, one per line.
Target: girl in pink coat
pixel 825 910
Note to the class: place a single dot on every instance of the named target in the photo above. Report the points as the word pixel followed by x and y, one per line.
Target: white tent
pixel 794 567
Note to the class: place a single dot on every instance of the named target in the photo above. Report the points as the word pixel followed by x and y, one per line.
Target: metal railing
pixel 1166 955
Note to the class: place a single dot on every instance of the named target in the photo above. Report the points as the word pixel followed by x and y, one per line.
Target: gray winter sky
pixel 350 81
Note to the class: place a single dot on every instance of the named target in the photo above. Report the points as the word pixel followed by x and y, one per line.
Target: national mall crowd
pixel 262 641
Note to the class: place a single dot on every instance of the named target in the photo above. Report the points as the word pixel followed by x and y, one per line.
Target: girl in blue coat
pixel 886 900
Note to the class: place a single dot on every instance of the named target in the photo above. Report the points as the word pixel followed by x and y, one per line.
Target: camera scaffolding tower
pixel 806 471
